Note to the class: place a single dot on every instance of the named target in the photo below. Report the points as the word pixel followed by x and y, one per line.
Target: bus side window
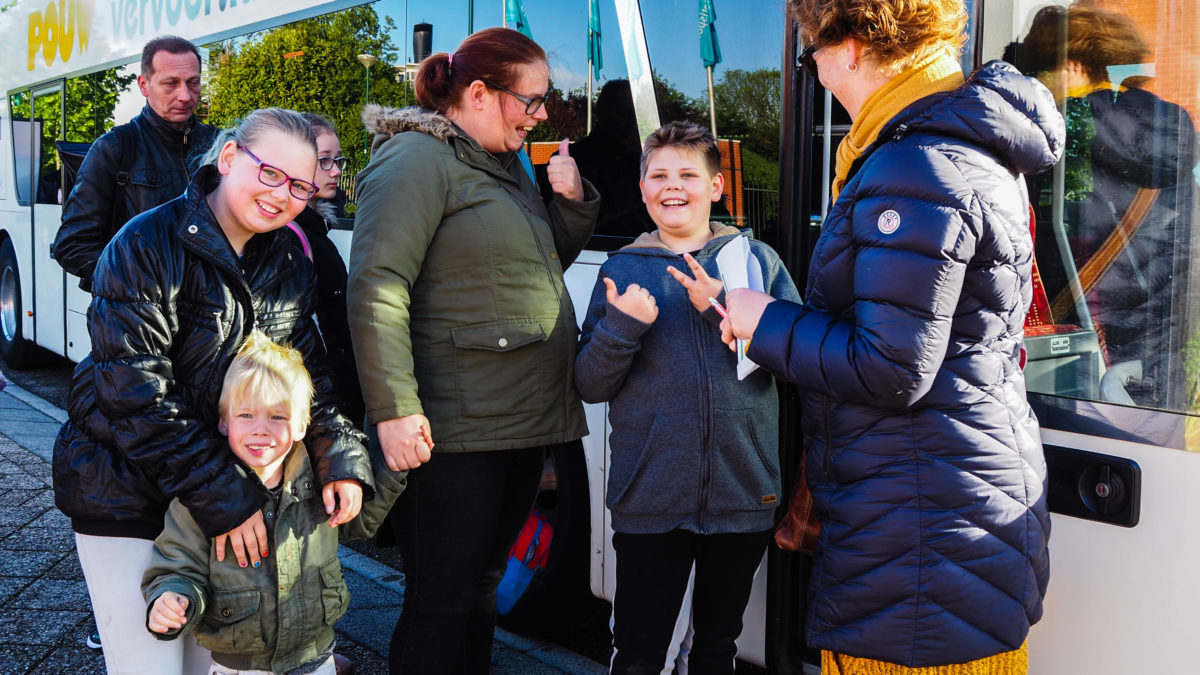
pixel 1115 217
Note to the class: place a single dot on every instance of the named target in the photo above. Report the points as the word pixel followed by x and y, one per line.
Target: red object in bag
pixel 527 555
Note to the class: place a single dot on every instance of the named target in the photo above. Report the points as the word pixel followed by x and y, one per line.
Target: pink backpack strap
pixel 303 239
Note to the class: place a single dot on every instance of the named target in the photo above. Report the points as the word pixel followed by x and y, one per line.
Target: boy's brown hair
pixel 686 136
pixel 271 374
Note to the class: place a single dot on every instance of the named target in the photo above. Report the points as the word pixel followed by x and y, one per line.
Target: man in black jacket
pixel 139 165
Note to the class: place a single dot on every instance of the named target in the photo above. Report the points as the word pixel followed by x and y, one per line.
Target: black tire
pixel 17 351
pixel 559 600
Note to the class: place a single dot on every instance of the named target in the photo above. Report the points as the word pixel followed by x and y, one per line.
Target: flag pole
pixel 712 104
pixel 589 108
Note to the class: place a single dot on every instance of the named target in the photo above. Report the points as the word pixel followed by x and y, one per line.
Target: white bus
pixel 1119 424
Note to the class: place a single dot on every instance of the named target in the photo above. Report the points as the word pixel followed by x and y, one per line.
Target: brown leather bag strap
pixel 1106 255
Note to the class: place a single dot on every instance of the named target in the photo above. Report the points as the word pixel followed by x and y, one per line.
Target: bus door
pixel 1113 334
pixel 48 114
pixel 36 124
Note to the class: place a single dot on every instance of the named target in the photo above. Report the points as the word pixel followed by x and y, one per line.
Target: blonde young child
pixel 694 477
pixel 277 616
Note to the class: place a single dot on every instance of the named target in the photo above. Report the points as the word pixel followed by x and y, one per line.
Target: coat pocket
pixel 745 466
pixel 658 473
pixel 231 622
pixel 334 595
pixel 498 370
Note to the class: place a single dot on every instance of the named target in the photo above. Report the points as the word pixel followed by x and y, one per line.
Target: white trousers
pixel 113 568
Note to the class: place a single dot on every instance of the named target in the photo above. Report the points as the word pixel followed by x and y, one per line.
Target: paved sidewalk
pixel 44 609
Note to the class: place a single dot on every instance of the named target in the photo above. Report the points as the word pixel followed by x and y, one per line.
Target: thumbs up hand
pixel 635 301
pixel 564 174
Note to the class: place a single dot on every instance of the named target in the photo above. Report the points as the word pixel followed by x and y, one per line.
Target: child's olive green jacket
pixel 280 615
pixel 457 303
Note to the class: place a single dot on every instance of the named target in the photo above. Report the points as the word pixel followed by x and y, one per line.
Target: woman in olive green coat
pixel 463 330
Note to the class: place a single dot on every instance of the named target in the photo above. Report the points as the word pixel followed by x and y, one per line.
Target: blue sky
pixel 750 34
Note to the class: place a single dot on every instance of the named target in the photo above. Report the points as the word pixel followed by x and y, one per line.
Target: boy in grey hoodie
pixel 694 473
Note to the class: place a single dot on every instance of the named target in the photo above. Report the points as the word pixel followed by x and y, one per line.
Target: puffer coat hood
pixel 172 305
pixel 925 460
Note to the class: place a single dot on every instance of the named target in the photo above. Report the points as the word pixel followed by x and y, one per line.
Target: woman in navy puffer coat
pixel 925 461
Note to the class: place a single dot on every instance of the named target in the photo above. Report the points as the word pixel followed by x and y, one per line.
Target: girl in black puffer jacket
pixel 175 294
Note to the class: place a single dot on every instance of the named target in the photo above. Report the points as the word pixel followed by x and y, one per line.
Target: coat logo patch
pixel 889 221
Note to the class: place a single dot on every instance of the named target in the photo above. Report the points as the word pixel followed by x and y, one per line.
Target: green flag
pixel 514 17
pixel 710 50
pixel 594 54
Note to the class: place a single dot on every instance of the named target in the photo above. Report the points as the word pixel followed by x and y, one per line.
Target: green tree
pixel 91 102
pixel 676 106
pixel 311 66
pixel 748 108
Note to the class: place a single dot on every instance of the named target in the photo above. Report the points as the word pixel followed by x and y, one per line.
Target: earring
pixel 851 67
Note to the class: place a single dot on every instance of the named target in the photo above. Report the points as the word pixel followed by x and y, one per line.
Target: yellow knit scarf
pixel 936 73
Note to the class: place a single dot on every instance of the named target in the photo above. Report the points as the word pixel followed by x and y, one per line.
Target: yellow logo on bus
pixel 55 30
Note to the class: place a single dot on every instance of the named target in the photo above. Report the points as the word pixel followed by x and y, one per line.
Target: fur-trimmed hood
pixel 386 122
pixel 326 210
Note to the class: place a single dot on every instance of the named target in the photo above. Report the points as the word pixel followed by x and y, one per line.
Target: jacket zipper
pixel 706 422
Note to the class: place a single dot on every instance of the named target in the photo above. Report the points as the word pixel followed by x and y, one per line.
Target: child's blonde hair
pixel 270 374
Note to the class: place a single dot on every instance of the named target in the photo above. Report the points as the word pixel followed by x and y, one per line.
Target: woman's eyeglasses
pixel 326 163
pixel 532 105
pixel 808 59
pixel 272 176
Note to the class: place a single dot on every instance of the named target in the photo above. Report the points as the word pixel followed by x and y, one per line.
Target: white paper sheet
pixel 740 269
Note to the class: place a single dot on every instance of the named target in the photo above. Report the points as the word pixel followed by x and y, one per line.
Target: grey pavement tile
pixel 10 586
pixel 51 594
pixel 22 480
pixel 366 661
pixel 17 415
pixel 37 626
pixel 85 623
pixel 27 460
pixel 366 594
pixel 43 497
pixel 32 538
pixel 19 516
pixel 52 518
pixel 371 627
pixel 38 441
pixel 22 658
pixel 6 530
pixel 74 660
pixel 67 568
pixel 506 661
pixel 29 498
pixel 28 563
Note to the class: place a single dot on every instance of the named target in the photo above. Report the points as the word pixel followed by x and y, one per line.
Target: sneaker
pixel 93 640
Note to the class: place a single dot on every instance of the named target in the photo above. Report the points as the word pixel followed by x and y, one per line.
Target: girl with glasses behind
pixel 465 331
pixel 175 295
pixel 312 226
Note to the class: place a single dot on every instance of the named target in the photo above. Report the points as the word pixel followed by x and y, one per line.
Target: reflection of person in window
pixel 1129 157
pixel 610 158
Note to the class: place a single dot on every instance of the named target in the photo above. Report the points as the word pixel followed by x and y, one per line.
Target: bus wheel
pixel 14 347
pixel 559 599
